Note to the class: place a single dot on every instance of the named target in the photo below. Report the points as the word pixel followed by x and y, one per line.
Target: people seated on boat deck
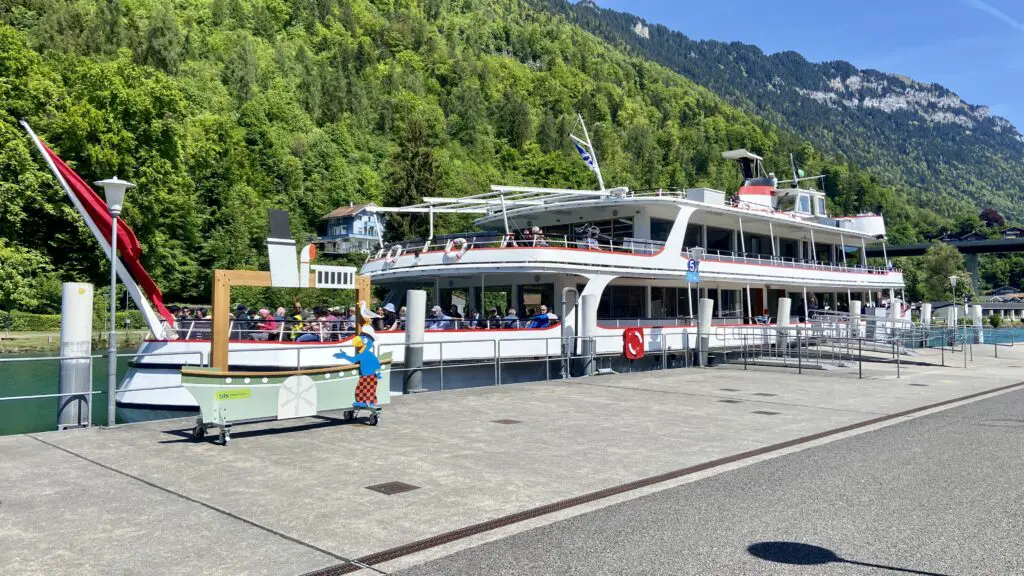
pixel 241 323
pixel 474 320
pixel 401 318
pixel 349 325
pixel 493 319
pixel 543 319
pixel 511 319
pixel 538 237
pixel 439 320
pixel 390 320
pixel 266 326
pixel 455 314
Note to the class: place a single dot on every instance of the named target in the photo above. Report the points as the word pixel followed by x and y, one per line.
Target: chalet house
pixel 348 229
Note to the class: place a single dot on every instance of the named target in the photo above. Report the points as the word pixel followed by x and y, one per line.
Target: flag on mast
pixel 94 210
pixel 587 158
pixel 586 149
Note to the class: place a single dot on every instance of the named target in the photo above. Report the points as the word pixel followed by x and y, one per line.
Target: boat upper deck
pixel 653 233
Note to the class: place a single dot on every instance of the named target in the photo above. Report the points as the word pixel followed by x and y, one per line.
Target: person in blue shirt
pixel 543 319
pixel 438 319
pixel 369 368
pixel 511 319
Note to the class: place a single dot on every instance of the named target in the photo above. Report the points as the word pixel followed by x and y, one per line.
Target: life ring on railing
pixel 393 254
pixel 633 343
pixel 463 247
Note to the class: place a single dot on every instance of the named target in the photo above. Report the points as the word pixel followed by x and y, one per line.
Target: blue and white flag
pixel 586 157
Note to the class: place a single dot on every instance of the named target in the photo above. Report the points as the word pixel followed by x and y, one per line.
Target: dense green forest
pixel 221 109
pixel 955 155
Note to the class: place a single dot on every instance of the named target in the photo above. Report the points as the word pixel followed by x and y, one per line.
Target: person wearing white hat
pixel 438 319
pixel 390 317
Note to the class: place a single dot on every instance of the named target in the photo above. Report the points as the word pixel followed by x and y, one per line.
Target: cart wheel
pixel 373 419
pixel 199 432
pixel 348 416
pixel 227 438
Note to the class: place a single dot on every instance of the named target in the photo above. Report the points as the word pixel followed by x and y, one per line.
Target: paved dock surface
pixel 291 497
pixel 938 495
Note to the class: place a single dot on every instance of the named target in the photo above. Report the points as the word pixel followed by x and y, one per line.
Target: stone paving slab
pixel 306 479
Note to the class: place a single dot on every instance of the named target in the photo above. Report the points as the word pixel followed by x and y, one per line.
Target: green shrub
pixel 995 320
pixel 28 322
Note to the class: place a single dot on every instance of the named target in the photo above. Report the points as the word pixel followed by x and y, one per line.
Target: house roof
pixel 345 211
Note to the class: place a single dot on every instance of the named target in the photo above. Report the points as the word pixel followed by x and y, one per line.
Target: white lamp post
pixel 113 189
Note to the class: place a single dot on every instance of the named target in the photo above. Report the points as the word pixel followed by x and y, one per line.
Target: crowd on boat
pixel 338 323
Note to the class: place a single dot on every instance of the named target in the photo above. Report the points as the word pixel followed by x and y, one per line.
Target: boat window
pixel 531 297
pixel 789 248
pixel 660 229
pixel 499 297
pixel 821 207
pixel 719 238
pixel 692 239
pixel 622 302
pixel 803 204
pixel 664 303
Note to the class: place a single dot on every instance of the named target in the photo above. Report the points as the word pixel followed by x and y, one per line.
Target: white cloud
pixel 996 12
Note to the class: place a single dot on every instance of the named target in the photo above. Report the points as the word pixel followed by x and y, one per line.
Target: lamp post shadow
pixel 800 554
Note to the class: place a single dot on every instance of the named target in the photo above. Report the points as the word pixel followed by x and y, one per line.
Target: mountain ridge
pixel 919 134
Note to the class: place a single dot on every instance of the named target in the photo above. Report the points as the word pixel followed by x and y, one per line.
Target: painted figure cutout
pixel 369 368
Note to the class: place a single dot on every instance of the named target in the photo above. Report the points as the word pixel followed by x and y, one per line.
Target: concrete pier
pixel 292 497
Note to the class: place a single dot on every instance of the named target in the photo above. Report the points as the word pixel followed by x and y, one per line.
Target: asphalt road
pixel 941 494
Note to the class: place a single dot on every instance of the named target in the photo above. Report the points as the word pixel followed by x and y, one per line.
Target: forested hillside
pixel 909 132
pixel 221 109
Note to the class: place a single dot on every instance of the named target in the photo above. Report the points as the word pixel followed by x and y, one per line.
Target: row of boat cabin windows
pixel 617 231
pixel 727 240
pixel 630 302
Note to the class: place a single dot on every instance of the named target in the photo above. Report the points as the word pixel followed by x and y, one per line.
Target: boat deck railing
pixel 781 261
pixel 340 330
pixel 455 242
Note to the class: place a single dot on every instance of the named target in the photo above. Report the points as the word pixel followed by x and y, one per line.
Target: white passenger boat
pixel 645 257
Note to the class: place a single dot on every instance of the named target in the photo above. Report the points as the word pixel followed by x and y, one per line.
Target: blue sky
pixel 973 47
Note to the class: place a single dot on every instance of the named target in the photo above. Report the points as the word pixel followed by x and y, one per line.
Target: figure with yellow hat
pixel 369 368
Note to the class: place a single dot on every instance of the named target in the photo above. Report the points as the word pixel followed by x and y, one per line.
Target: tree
pixel 413 174
pixel 513 119
pixel 992 218
pixel 163 41
pixel 939 263
pixel 241 69
pixel 20 268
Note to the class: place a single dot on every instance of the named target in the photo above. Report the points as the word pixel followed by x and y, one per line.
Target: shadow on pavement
pixel 322 422
pixel 807 554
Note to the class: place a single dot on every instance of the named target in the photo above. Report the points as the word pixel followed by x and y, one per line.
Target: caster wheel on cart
pixel 373 419
pixel 198 433
pixel 348 416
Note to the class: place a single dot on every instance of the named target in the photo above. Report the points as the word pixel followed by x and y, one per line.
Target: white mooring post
pixel 979 333
pixel 783 321
pixel 705 309
pixel 854 328
pixel 415 322
pixel 75 341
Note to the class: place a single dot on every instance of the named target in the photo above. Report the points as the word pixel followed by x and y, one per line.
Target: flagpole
pixel 152 319
pixel 593 153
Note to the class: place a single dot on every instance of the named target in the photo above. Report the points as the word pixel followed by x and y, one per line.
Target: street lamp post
pixel 114 190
